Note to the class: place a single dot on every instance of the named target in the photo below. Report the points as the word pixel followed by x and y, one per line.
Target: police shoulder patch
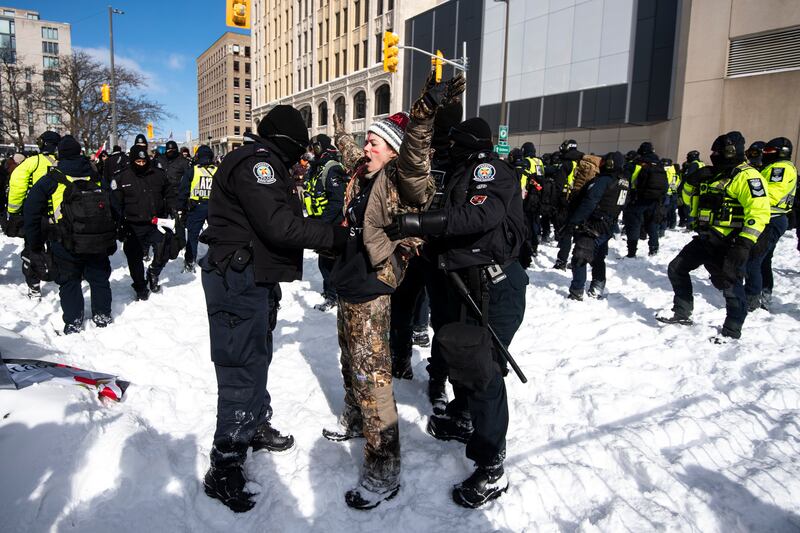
pixel 756 187
pixel 264 173
pixel 484 172
pixel 776 175
pixel 478 199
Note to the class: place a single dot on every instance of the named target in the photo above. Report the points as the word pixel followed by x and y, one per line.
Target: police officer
pixel 477 235
pixel 671 200
pixel 730 205
pixel 649 186
pixel 592 223
pixel 22 178
pixel 117 161
pixel 565 178
pixel 781 176
pixel 84 234
pixel 692 164
pixel 755 153
pixel 323 195
pixel 175 165
pixel 194 192
pixel 256 233
pixel 145 200
pixel 532 176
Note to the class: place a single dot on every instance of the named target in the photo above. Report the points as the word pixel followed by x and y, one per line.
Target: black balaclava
pixel 471 136
pixel 172 150
pixel 528 149
pixel 613 164
pixel 68 148
pixel 139 153
pixel 727 151
pixel 48 142
pixel 140 140
pixel 204 155
pixel 645 148
pixel 285 128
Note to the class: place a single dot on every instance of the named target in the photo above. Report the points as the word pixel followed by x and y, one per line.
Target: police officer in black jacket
pixel 477 234
pixel 175 165
pixel 143 193
pixel 256 234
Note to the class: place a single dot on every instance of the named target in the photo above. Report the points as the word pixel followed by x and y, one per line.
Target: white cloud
pixel 102 55
pixel 176 61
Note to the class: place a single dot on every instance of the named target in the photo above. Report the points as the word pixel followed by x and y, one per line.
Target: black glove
pixel 454 89
pixel 425 106
pixel 15 225
pixel 735 260
pixel 416 225
pixel 41 264
pixel 275 304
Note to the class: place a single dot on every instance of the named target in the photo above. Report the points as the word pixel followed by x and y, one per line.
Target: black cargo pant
pixel 138 241
pixel 241 349
pixel 404 302
pixel 488 409
pixel 440 314
pixel 71 269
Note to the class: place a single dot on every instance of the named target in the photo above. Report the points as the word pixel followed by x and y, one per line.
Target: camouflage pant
pixel 369 401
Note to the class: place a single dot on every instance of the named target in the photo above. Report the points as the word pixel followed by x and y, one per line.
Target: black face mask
pixel 172 154
pixel 290 149
pixel 141 169
pixel 720 161
pixel 459 153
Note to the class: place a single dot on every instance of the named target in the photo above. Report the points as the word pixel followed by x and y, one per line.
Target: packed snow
pixel 626 424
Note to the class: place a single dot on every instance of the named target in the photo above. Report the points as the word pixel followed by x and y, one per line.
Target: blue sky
pixel 159 39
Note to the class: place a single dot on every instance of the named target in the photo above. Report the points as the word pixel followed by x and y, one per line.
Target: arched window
pixel 322 112
pixel 338 107
pixel 382 96
pixel 360 105
pixel 306 114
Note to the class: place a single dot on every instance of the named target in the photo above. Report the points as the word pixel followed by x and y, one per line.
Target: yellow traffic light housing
pixel 105 93
pixel 390 51
pixel 149 130
pixel 438 65
pixel 237 13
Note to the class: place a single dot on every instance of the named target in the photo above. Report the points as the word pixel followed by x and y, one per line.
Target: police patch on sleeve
pixel 478 199
pixel 265 174
pixel 484 172
pixel 756 187
pixel 776 175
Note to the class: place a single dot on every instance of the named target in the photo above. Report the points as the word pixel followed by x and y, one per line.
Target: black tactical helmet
pixel 514 155
pixel 566 146
pixel 779 148
pixel 667 162
pixel 528 149
pixel 728 150
pixel 694 155
pixel 645 148
pixel 754 153
pixel 631 155
pixel 612 163
pixel 49 139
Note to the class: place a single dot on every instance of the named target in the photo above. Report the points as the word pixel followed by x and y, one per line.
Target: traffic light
pixel 149 130
pixel 105 93
pixel 437 64
pixel 237 13
pixel 390 51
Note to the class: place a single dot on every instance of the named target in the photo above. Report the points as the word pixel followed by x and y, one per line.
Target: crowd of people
pixel 422 224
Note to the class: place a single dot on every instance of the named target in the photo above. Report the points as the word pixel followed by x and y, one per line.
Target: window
pixel 51 34
pixel 247 68
pixel 366 10
pixel 50 62
pixel 391 5
pixel 338 24
pixel 236 66
pixel 345 19
pixel 382 97
pixel 320 71
pixel 327 30
pixel 380 7
pixel 235 98
pixel 247 83
pixel 236 82
pixel 338 107
pixel 344 62
pixel 237 130
pixel 360 105
pixel 53 119
pixel 365 51
pixel 236 114
pixel 356 56
pixel 336 62
pixel 247 100
pixel 322 112
pixel 248 116
pixel 320 33
pixel 246 51
pixel 306 114
pixel 357 7
pixel 378 47
pixel 236 49
pixel 49 48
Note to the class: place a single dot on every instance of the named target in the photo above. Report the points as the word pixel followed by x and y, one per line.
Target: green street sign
pixel 502 134
pixel 502 149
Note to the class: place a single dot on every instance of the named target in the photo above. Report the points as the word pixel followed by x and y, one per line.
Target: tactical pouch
pixel 240 259
pixel 467 350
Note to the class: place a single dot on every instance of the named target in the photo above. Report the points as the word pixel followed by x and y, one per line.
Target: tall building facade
pixel 27 40
pixel 613 73
pixel 325 56
pixel 224 93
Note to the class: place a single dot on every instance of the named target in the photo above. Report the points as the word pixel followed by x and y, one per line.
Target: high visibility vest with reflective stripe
pixel 202 181
pixel 781 178
pixel 24 177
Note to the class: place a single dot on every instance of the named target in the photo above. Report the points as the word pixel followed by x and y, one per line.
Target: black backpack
pixel 86 225
pixel 651 183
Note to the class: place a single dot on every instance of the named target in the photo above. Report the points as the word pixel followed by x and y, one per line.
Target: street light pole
pixel 111 12
pixel 505 66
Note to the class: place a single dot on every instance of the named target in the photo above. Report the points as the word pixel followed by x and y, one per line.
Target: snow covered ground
pixel 625 425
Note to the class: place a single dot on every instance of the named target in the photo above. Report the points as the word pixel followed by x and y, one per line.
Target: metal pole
pixel 113 78
pixel 505 68
pixel 464 97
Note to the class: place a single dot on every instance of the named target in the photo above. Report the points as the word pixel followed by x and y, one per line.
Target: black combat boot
pixel 575 294
pixel 437 394
pixel 419 337
pixel 364 498
pixel 485 484
pixel 152 282
pixel 445 427
pixel 188 267
pixel 142 295
pixel 766 299
pixel 349 426
pixel 73 327
pixel 101 320
pixel 270 439
pixel 34 292
pixel 596 289
pixel 227 485
pixel 560 264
